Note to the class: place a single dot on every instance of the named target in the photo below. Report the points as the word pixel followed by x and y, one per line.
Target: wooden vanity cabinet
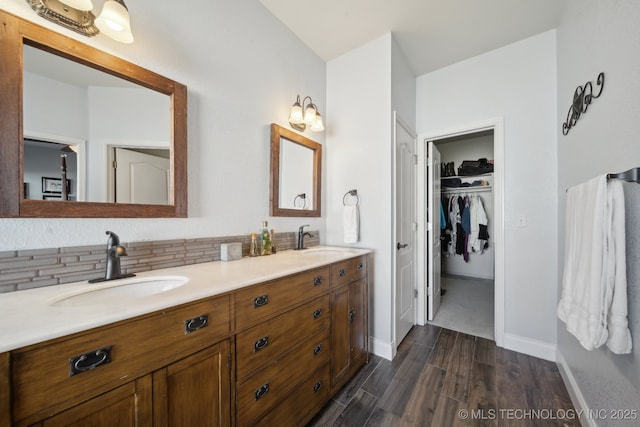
pixel 268 354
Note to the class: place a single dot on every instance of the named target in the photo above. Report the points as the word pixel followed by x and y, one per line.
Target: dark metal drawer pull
pixel 317 313
pixel 341 272
pixel 260 301
pixel 360 265
pixel 317 349
pixel 196 323
pixel 260 344
pixel 264 389
pixel 317 281
pixel 87 361
pixel 317 386
pixel 352 315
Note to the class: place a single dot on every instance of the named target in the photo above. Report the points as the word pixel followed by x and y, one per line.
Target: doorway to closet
pixel 463 239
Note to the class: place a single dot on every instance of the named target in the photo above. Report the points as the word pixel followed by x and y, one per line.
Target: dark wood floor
pixel 440 376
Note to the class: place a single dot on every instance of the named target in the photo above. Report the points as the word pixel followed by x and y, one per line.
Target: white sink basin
pixel 322 251
pixel 118 291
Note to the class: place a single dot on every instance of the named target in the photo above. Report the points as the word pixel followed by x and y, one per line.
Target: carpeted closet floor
pixel 467 306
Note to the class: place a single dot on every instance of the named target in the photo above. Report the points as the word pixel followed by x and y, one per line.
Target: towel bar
pixel 632 175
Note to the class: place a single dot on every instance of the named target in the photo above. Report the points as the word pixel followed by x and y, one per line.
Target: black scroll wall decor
pixel 582 98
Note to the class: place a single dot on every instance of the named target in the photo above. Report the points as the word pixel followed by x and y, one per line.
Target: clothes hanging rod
pixel 632 175
pixel 466 190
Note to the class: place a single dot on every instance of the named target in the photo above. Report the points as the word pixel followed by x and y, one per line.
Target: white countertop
pixel 28 317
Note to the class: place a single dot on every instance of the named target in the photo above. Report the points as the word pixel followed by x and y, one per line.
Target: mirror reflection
pixel 109 137
pixel 296 176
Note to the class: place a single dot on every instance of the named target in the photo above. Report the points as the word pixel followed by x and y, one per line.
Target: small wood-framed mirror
pixel 296 164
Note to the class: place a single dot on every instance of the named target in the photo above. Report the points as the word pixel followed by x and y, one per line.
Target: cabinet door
pixel 349 331
pixel 340 336
pixel 195 391
pixel 358 320
pixel 127 405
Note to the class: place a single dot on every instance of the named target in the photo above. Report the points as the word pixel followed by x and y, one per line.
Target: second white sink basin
pixel 119 290
pixel 323 251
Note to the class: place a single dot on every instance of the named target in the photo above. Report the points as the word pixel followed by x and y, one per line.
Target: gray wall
pixel 597 36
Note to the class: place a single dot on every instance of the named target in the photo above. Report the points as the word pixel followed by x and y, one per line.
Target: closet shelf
pixel 468 179
pixel 468 176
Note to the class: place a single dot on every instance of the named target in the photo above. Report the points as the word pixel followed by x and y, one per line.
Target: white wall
pixel 599 37
pixel 358 152
pixel 518 83
pixel 243 69
pixel 364 87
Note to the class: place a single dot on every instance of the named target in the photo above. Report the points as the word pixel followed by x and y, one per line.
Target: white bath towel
pixel 593 301
pixel 351 223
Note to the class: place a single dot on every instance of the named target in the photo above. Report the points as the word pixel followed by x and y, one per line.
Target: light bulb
pixel 114 21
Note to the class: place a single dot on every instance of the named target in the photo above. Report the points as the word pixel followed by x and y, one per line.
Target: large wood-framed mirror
pixel 296 164
pixel 22 44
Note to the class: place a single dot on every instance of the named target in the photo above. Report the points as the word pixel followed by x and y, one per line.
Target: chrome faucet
pixel 301 236
pixel 114 252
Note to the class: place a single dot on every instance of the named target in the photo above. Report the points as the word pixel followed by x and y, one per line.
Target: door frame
pixel 497 125
pixel 81 157
pixel 398 121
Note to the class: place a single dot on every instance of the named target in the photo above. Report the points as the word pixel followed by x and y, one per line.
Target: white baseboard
pixel 578 400
pixel 535 348
pixel 381 348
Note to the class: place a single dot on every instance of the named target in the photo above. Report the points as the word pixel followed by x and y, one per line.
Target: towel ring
pixel 352 193
pixel 303 198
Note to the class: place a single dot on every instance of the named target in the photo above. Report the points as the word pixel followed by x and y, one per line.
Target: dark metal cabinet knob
pixel 317 349
pixel 260 344
pixel 88 361
pixel 262 391
pixel 192 325
pixel 260 301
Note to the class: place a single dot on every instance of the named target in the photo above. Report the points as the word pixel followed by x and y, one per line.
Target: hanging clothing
pixel 478 236
pixel 465 231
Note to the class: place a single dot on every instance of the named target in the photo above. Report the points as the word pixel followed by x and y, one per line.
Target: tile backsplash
pixel 44 267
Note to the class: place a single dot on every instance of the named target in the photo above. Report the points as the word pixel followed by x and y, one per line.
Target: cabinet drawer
pixel 55 375
pixel 348 270
pixel 259 345
pixel 257 302
pixel 270 385
pixel 302 404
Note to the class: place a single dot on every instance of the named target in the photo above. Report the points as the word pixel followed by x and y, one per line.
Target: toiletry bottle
pixel 266 239
pixel 253 249
pixel 273 241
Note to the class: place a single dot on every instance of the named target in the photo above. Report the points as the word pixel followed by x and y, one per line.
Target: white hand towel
pixel 595 267
pixel 351 223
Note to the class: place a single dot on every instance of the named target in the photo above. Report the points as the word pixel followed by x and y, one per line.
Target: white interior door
pixel 405 227
pixel 434 252
pixel 141 178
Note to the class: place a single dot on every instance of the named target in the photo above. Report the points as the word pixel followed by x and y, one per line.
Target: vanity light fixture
pixel 77 15
pixel 302 116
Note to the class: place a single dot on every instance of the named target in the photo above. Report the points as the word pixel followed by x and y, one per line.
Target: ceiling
pixel 431 33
